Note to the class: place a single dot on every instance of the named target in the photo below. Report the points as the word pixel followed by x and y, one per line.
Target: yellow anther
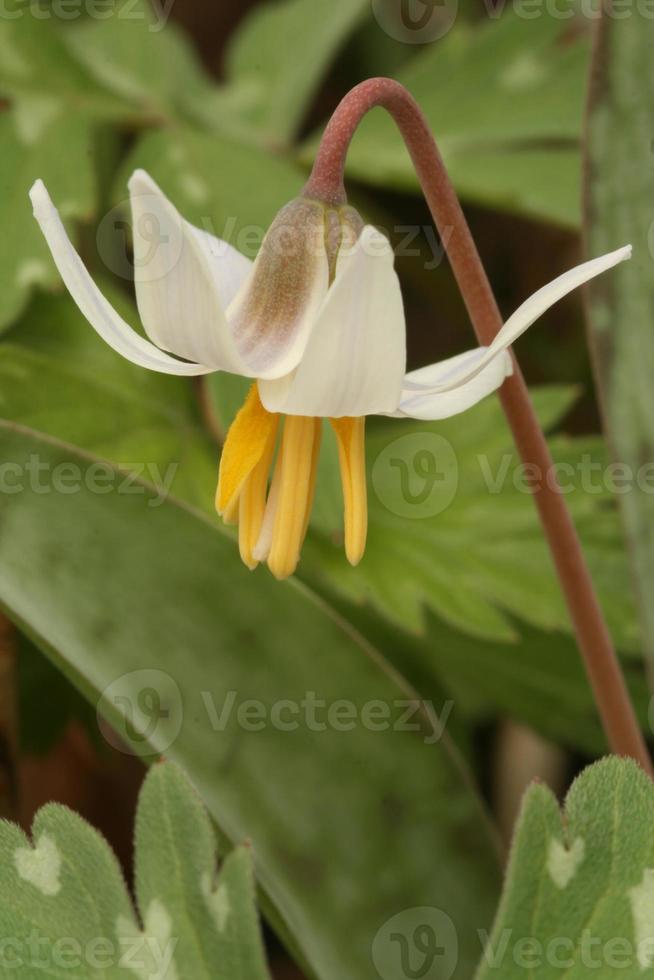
pixel 350 434
pixel 246 442
pixel 298 461
pixel 252 502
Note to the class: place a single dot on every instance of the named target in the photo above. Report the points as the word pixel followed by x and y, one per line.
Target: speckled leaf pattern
pixel 620 207
pixel 579 894
pixel 65 908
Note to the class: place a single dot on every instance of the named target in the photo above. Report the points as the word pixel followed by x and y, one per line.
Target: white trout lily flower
pixel 316 321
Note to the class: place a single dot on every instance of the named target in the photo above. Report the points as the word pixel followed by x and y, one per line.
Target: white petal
pixel 436 376
pixel 229 266
pixel 92 304
pixel 185 279
pixel 355 359
pixel 274 312
pixel 420 402
pixel 534 307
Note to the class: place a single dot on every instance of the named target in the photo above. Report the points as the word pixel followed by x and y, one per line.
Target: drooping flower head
pixel 316 321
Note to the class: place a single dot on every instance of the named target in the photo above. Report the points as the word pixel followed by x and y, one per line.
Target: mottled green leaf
pixel 620 197
pixel 138 56
pixel 175 868
pixel 37 68
pixel 279 56
pixel 579 895
pixel 64 905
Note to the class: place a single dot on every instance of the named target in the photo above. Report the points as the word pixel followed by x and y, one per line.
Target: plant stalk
pixel 327 183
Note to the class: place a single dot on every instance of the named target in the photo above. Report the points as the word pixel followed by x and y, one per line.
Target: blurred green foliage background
pixel 223 105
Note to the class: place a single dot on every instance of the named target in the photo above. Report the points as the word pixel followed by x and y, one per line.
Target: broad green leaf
pixel 504 99
pixel 539 181
pixel 579 892
pixel 38 140
pixel 449 505
pixel 537 679
pixel 152 607
pixel 279 57
pixel 65 907
pixel 620 191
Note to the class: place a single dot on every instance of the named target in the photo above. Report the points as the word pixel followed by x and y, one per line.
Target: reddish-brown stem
pixel 326 182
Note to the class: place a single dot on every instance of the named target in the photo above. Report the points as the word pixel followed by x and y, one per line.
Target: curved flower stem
pixel 326 182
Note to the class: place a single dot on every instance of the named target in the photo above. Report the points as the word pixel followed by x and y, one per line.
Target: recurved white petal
pixel 355 358
pixel 274 312
pixel 534 307
pixel 436 375
pixel 90 301
pixel 425 394
pixel 185 279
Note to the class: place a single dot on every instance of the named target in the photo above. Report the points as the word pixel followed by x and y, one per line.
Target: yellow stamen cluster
pixel 273 521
